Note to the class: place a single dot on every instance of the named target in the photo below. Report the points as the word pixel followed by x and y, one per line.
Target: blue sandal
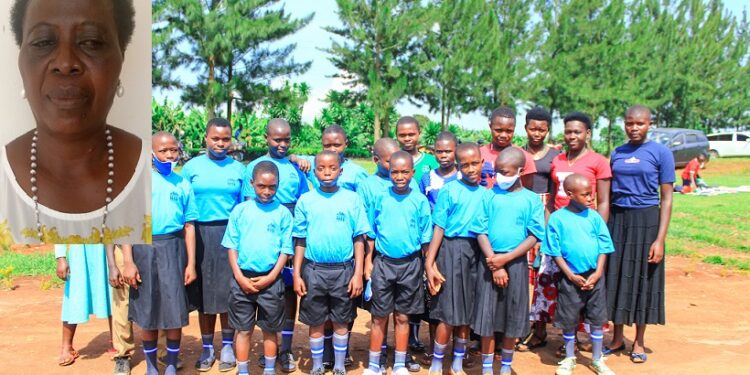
pixel 607 350
pixel 638 357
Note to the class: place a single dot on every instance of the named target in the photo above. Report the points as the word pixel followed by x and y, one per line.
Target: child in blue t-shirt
pixel 402 229
pixel 259 242
pixel 578 239
pixel 334 139
pixel 158 273
pixel 452 258
pixel 511 223
pixel 329 224
pixel 292 184
pixel 434 180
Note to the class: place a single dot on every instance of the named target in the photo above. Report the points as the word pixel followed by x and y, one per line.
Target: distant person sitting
pixel 690 175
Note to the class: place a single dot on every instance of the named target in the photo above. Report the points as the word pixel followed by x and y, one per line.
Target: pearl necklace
pixel 110 182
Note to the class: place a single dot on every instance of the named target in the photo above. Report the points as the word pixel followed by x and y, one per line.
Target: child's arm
pixel 486 247
pixel 369 250
pixel 190 274
pixel 594 277
pixel 576 279
pixel 245 284
pixel 299 255
pixel 62 262
pixel 434 278
pixel 115 279
pixel 262 282
pixel 355 285
pixel 602 197
pixel 130 271
pixel 497 261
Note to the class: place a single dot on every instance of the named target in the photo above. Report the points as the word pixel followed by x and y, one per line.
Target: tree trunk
pixel 386 123
pixel 209 97
pixel 376 126
pixel 229 101
pixel 609 136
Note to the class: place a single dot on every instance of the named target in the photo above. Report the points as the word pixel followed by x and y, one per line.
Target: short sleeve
pixel 423 182
pixel 604 240
pixel 61 251
pixel 551 243
pixel 372 213
pixel 442 206
pixel 666 166
pixel 300 220
pixel 359 178
pixel 231 239
pixel 529 166
pixel 247 187
pixel 302 188
pixel 480 222
pixel 285 231
pixel 603 170
pixel 190 207
pixel 360 224
pixel 364 193
pixel 187 170
pixel 425 221
pixel 536 222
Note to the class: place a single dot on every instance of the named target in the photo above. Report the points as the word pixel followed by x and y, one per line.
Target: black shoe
pixel 417 347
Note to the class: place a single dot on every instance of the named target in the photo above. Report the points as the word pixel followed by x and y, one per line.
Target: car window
pixel 742 137
pixel 678 139
pixel 713 137
pixel 692 138
pixel 657 137
pixel 720 137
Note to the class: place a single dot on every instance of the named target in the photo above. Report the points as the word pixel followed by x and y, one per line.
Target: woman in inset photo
pixel 74 177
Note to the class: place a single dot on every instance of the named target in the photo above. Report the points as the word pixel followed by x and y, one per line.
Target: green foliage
pixel 28 264
pixel 346 109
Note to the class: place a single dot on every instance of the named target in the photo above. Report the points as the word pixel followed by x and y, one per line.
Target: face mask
pixel 578 206
pixel 329 184
pixel 505 182
pixel 163 167
pixel 218 155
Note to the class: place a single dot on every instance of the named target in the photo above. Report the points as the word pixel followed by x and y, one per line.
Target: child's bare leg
pixel 67 355
pixel 618 337
pixel 442 335
pixel 270 348
pixel 638 343
pixel 402 328
pixel 242 345
pixel 488 354
pixel 340 343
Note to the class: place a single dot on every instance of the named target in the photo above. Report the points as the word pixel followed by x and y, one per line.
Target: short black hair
pixel 503 111
pixel 280 122
pixel 538 114
pixel 578 116
pixel 402 155
pixel 446 136
pixel 219 123
pixel 266 166
pixel 335 129
pixel 638 108
pixel 464 147
pixel 408 120
pixel 330 153
pixel 514 155
pixel 123 11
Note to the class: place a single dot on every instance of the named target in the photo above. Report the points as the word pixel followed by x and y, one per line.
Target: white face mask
pixel 505 182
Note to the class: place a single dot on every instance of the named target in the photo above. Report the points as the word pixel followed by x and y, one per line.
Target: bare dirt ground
pixel 707 331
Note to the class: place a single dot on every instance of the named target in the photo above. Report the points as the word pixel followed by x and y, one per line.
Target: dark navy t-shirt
pixel 637 172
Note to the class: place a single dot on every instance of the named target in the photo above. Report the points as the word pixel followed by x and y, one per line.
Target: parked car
pixel 685 144
pixel 729 144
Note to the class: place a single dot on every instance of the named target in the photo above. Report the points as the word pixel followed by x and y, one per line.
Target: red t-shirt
pixel 489 154
pixel 591 165
pixel 693 166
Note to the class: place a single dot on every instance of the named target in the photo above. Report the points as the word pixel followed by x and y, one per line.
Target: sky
pixel 312 38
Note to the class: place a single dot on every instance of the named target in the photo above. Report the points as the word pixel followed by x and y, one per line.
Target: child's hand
pixel 435 279
pixel 302 164
pixel 497 262
pixel 190 275
pixel 62 268
pixel 115 278
pixel 355 286
pixel 591 281
pixel 247 285
pixel 261 282
pixel 578 280
pixel 299 286
pixel 656 252
pixel 131 275
pixel 500 278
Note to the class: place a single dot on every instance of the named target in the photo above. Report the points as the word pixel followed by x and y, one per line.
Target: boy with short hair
pixel 511 223
pixel 691 176
pixel 259 241
pixel 408 133
pixel 452 258
pixel 329 225
pixel 402 227
pixel 578 239
pixel 291 185
pixel 445 153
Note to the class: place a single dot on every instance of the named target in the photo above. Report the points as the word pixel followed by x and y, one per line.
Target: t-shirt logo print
pixel 231 182
pixel 340 216
pixel 271 228
pixel 632 160
pixel 174 197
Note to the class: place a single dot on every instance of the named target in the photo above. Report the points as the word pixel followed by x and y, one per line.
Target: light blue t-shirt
pixel 217 185
pixel 260 233
pixel 432 182
pixel 351 175
pixel 457 206
pixel 578 237
pixel 508 218
pixel 172 202
pixel 401 223
pixel 374 185
pixel 292 182
pixel 329 222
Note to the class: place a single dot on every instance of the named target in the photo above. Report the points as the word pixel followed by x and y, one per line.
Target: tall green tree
pixel 227 45
pixel 373 48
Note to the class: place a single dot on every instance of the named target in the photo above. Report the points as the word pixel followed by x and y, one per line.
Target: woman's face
pixel 70 62
pixel 536 131
pixel 576 134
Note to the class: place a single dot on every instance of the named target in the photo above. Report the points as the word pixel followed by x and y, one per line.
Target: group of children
pixel 420 222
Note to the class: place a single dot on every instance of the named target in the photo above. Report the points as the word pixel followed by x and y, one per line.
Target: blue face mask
pixel 505 182
pixel 218 155
pixel 163 167
pixel 329 184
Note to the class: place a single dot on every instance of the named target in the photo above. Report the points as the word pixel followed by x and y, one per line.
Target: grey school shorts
pixel 397 285
pixel 572 302
pixel 266 308
pixel 327 295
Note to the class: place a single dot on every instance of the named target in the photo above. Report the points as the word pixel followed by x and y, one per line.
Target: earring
pixel 23 93
pixel 120 90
